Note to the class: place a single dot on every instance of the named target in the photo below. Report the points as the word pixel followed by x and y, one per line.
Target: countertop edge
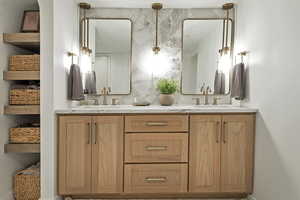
pixel 155 111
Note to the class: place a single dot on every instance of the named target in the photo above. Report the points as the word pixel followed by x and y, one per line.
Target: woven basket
pixel 24 97
pixel 24 63
pixel 28 135
pixel 27 185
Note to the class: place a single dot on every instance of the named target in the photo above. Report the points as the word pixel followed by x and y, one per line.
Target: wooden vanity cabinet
pixel 90 155
pixel 221 153
pixel 75 155
pixel 174 155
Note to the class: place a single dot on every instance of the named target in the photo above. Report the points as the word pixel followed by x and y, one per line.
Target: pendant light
pixel 156 7
pixel 84 29
pixel 225 41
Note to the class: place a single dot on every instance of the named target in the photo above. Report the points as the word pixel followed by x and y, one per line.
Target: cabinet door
pixel 74 155
pixel 237 153
pixel 204 171
pixel 107 154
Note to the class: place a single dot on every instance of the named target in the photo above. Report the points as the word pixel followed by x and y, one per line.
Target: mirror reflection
pixel 202 65
pixel 110 41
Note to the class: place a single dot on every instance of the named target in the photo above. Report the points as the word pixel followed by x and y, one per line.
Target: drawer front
pixel 156 147
pixel 156 123
pixel 155 178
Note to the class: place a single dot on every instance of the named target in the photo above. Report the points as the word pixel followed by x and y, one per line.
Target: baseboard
pixel 250 197
pixel 54 198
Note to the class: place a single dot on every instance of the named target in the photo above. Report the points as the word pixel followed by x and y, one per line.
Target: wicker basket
pixel 24 97
pixel 28 135
pixel 24 63
pixel 27 185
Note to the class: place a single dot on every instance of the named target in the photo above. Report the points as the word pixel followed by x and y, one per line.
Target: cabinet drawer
pixel 156 147
pixel 155 178
pixel 156 123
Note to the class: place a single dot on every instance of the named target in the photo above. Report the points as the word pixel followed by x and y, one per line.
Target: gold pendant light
pixel 84 29
pixel 156 7
pixel 225 42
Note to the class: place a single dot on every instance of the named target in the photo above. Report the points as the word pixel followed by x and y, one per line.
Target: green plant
pixel 167 86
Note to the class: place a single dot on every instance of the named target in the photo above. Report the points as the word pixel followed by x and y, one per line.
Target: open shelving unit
pixel 21 75
pixel 22 110
pixel 22 148
pixel 30 42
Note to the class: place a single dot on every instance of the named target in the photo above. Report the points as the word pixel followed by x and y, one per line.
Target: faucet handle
pixel 208 90
pixel 215 102
pixel 202 90
pixel 197 100
pixel 115 101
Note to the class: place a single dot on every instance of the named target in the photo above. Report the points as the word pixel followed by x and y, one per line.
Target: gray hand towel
pixel 219 83
pixel 75 88
pixel 90 83
pixel 238 82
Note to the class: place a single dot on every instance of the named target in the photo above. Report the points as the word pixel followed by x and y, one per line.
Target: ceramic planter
pixel 166 99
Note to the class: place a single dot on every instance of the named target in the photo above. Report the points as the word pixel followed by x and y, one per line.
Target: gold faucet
pixel 104 92
pixel 205 92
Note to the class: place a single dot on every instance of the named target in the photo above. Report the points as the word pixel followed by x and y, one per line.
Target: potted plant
pixel 167 88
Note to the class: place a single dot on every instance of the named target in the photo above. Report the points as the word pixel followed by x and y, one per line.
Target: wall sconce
pixel 225 41
pixel 156 7
pixel 84 29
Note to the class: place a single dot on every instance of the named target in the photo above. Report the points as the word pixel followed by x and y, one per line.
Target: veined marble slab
pixel 119 109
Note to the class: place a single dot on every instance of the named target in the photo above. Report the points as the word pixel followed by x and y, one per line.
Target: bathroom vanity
pixel 159 152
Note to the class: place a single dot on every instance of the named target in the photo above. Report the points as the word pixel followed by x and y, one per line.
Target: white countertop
pixel 119 109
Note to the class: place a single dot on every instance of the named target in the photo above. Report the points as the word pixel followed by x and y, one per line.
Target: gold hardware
pixel 89 133
pixel 156 7
pixel 215 102
pixel 224 132
pixel 205 92
pixel 84 5
pixel 115 101
pixel 156 124
pixel 84 28
pixel 156 148
pixel 71 54
pixel 225 46
pixel 218 131
pixel 155 179
pixel 95 133
pixel 228 6
pixel 197 101
pixel 243 54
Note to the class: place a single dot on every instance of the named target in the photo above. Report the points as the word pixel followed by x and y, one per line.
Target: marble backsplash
pixel 170 41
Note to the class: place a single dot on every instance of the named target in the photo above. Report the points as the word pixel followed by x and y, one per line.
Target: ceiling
pixel 166 3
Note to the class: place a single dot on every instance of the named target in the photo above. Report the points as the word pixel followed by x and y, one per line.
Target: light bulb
pixel 156 65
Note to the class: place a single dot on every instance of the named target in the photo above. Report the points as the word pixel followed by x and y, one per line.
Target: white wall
pixel 59 28
pixel 270 30
pixel 66 25
pixel 11 13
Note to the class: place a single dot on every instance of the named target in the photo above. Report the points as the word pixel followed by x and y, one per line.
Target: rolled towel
pixel 75 88
pixel 219 83
pixel 238 82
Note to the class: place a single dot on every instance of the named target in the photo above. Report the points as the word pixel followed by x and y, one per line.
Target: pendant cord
pixel 156 35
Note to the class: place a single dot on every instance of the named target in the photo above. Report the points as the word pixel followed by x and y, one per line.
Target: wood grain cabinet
pixel 138 156
pixel 90 155
pixel 221 153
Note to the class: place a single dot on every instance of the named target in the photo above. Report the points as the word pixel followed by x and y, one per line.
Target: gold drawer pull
pixel 156 179
pixel 156 123
pixel 156 148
